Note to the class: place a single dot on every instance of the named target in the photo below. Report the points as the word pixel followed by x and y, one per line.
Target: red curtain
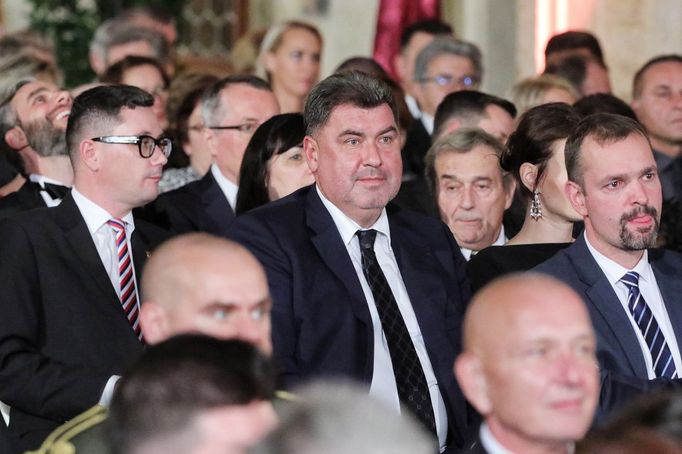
pixel 394 16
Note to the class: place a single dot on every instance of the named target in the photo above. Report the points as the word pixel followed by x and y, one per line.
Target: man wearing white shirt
pixel 69 319
pixel 632 291
pixel 361 289
pixel 33 118
pixel 529 366
pixel 470 188
pixel 232 109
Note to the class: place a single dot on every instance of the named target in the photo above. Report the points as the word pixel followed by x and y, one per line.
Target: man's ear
pixel 509 188
pixel 574 194
pixel 153 322
pixel 529 174
pixel 209 136
pixel 469 373
pixel 16 138
pixel 89 156
pixel 311 150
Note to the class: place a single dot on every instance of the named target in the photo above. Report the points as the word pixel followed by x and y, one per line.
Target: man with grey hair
pixel 470 188
pixel 442 67
pixel 338 418
pixel 632 291
pixel 232 110
pixel 33 119
pixel 362 289
pixel 116 39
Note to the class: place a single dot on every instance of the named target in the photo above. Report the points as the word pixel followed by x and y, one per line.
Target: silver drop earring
pixel 535 206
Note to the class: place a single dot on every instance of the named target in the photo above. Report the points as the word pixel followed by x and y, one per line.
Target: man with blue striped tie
pixel 632 291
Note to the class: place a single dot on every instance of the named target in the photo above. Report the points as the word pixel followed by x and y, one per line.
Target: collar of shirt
pixel 492 446
pixel 95 216
pixel 614 272
pixel 413 106
pixel 347 227
pixel 42 179
pixel 229 188
pixel 501 239
pixel 427 120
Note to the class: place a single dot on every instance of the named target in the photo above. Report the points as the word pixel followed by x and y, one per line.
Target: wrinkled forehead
pixel 27 93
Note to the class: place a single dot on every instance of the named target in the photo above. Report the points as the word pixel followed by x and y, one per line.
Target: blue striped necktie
pixel 664 365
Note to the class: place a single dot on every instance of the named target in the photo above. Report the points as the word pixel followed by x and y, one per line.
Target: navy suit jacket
pixel 200 206
pixel 618 350
pixel 63 332
pixel 321 324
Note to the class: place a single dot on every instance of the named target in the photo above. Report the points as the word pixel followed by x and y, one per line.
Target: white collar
pixel 427 120
pixel 95 216
pixel 501 239
pixel 229 188
pixel 42 179
pixel 613 271
pixel 347 227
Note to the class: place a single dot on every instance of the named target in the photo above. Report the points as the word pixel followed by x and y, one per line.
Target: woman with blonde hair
pixel 543 89
pixel 290 60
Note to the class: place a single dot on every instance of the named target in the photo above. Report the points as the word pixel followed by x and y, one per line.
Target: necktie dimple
pixel 413 390
pixel 125 273
pixel 663 363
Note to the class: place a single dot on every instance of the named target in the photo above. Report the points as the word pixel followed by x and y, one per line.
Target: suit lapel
pixel 670 285
pixel 217 212
pixel 603 299
pixel 78 237
pixel 333 253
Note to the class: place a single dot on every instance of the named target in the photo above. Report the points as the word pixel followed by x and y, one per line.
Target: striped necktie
pixel 664 365
pixel 126 277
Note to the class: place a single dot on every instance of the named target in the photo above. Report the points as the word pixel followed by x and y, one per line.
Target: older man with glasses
pixel 69 274
pixel 232 109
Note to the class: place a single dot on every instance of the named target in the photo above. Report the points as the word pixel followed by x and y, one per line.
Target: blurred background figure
pixel 542 89
pixel 274 164
pixel 290 60
pixel 586 75
pixel 193 394
pixel 603 103
pixel 339 418
pixel 145 73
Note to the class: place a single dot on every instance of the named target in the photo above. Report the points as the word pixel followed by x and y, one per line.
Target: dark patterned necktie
pixel 663 363
pixel 413 390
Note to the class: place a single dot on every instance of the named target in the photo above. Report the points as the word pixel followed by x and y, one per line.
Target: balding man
pixel 529 365
pixel 194 283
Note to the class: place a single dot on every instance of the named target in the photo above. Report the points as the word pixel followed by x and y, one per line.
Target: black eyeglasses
pixel 145 144
pixel 246 128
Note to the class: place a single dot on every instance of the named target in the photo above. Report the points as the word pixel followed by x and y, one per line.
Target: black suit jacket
pixel 200 206
pixel 417 143
pixel 321 324
pixel 618 350
pixel 26 198
pixel 63 332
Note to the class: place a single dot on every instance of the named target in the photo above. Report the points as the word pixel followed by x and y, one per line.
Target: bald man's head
pixel 529 364
pixel 201 283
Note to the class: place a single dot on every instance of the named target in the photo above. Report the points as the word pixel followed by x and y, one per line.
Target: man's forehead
pixel 349 116
pixel 481 156
pixel 610 152
pixel 31 89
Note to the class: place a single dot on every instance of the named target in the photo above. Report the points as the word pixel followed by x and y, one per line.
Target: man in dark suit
pixel 69 312
pixel 233 108
pixel 360 289
pixel 631 292
pixel 529 365
pixel 33 118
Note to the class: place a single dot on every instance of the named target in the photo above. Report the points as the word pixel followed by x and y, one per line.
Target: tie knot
pixel 366 238
pixel 631 279
pixel 117 224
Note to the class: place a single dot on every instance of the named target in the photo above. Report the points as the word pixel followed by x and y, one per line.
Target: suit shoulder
pixel 186 193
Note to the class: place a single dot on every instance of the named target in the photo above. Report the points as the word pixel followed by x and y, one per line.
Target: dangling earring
pixel 535 207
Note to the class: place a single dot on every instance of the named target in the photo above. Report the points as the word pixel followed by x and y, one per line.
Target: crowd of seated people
pixel 274 262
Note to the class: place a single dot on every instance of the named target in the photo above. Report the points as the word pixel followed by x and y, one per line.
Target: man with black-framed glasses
pixel 70 301
pixel 232 109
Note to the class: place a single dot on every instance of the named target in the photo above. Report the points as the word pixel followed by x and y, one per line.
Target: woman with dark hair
pixel 535 156
pixel 273 165
pixel 145 73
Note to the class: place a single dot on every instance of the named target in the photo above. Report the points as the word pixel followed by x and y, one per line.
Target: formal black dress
pixel 495 261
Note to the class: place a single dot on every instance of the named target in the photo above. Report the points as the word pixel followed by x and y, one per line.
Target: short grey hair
pixel 340 418
pixel 447 45
pixel 212 109
pixel 8 117
pixel 115 32
pixel 462 140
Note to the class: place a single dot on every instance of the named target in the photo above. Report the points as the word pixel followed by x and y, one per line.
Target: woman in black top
pixel 535 157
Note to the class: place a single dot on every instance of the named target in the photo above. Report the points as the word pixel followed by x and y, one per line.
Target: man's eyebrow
pixel 36 92
pixel 387 130
pixel 351 132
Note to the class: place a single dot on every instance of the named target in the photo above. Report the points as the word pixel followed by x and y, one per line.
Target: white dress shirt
pixel 104 238
pixel 41 180
pixel 501 239
pixel 413 106
pixel 383 384
pixel 229 188
pixel 648 288
pixel 427 120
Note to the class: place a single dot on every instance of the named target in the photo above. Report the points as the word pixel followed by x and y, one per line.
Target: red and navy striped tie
pixel 126 275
